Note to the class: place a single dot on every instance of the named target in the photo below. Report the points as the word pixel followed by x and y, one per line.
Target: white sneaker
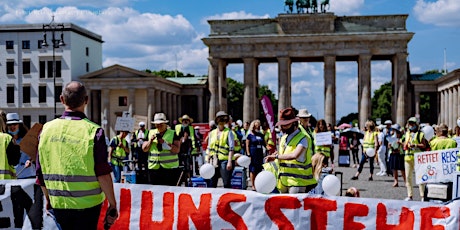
pixel 408 199
pixel 379 174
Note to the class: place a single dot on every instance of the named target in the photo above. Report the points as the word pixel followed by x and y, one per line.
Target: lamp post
pixel 53 27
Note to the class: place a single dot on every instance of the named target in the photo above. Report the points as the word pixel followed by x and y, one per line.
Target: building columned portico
pixel 323 38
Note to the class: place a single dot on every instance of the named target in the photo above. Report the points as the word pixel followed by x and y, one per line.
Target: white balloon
pixel 370 152
pixel 429 132
pixel 265 182
pixel 458 122
pixel 244 161
pixel 331 185
pixel 207 171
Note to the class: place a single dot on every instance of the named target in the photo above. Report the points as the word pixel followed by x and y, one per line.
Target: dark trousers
pixel 164 176
pixel 21 201
pixel 363 160
pixel 78 218
pixel 35 213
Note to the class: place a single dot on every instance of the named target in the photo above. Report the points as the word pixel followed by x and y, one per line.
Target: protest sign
pixel 29 143
pixel 435 166
pixel 323 138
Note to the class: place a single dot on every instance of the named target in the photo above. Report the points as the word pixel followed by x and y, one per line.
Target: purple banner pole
pixel 268 111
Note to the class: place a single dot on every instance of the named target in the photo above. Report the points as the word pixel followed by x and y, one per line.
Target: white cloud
pixel 232 15
pixel 345 7
pixel 439 13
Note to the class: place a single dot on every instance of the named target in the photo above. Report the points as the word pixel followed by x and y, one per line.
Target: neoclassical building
pixel 116 89
pixel 323 38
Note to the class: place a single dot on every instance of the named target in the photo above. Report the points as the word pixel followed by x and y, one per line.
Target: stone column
pixel 451 108
pixel 250 97
pixel 131 102
pixel 441 106
pixel 169 107
pixel 200 117
pixel 150 106
pixel 213 70
pixel 329 89
pixel 88 107
pixel 284 83
pixel 364 77
pixel 158 101
pixel 105 115
pixel 446 107
pixel 455 106
pixel 400 64
pixel 222 80
pixel 417 102
pixel 174 106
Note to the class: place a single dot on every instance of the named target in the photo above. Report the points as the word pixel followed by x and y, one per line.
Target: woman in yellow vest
pixel 322 152
pixel 370 141
pixel 414 142
pixel 118 152
pixel 9 154
pixel 163 146
pixel 295 173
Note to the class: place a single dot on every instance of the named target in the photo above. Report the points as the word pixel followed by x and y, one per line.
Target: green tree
pixel 168 73
pixel 381 102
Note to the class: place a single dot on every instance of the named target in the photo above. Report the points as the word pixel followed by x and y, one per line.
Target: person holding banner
pixel 163 146
pixel 221 144
pixel 118 152
pixel 294 158
pixel 322 151
pixel 72 165
pixel 414 142
pixel 370 142
pixel 9 153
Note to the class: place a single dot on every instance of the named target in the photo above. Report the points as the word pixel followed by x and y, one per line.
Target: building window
pixel 122 101
pixel 39 44
pixel 42 94
pixel 27 120
pixel 57 93
pixel 87 67
pixel 42 119
pixel 42 69
pixel 10 67
pixel 26 45
pixel 26 67
pixel 9 45
pixel 49 69
pixel 10 94
pixel 87 51
pixel 26 94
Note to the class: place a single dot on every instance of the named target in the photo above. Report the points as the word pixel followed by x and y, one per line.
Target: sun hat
pixel 185 117
pixel 287 116
pixel 303 113
pixel 159 118
pixel 141 124
pixel 13 118
pixel 221 114
pixel 388 122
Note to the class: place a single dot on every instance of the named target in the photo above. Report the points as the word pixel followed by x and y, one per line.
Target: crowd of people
pixel 73 155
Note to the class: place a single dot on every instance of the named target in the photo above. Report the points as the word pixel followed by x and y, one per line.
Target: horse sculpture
pixel 324 3
pixel 289 4
pixel 301 5
pixel 314 6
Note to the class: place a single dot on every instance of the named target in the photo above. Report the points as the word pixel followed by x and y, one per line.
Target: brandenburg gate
pixel 323 38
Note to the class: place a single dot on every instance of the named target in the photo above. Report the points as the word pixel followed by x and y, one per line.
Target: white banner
pixel 163 207
pixel 435 166
pixel 323 138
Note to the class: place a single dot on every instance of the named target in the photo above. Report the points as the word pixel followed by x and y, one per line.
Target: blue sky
pixel 154 34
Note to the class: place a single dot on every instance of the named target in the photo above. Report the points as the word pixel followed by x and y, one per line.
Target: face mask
pixel 413 128
pixel 13 133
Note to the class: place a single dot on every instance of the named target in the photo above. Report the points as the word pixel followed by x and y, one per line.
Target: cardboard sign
pixel 323 138
pixel 124 124
pixel 29 143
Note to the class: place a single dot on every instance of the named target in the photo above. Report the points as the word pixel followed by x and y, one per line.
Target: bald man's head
pixel 74 95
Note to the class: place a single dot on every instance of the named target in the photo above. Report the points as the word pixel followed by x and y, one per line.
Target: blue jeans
pixel 363 160
pixel 221 171
pixel 117 173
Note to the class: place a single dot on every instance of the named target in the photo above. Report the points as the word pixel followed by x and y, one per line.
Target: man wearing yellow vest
pixel 163 146
pixel 119 151
pixel 9 154
pixel 305 126
pixel 295 173
pixel 414 142
pixel 72 165
pixel 186 133
pixel 221 143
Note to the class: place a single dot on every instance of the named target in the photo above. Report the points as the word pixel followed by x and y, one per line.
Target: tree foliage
pixel 381 102
pixel 168 73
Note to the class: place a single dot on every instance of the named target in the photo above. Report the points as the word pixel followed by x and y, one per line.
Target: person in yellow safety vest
pixel 295 172
pixel 163 146
pixel 415 141
pixel 270 145
pixel 370 141
pixel 118 152
pixel 9 154
pixel 72 165
pixel 221 143
pixel 304 126
pixel 186 133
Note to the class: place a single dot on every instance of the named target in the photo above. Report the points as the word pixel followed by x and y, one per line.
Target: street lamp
pixel 53 27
